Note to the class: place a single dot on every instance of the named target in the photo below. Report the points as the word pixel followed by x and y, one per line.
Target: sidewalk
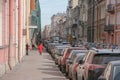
pixel 35 67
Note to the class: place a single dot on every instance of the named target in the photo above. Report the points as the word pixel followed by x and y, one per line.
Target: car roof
pixel 115 63
pixel 62 47
pixel 77 48
pixel 106 51
pixel 81 51
pixel 79 54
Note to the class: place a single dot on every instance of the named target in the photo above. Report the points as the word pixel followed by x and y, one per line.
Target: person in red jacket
pixel 40 48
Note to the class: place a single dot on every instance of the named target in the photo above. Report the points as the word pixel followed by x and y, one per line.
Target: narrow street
pixel 35 67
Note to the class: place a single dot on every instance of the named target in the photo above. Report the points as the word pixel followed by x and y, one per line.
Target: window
pixel 118 18
pixel 112 20
pixel 0 22
pixel 116 73
pixel 104 59
pixel 102 11
pixel 118 1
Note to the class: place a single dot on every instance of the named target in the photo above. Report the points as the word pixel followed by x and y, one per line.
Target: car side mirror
pixel 81 62
pixel 102 78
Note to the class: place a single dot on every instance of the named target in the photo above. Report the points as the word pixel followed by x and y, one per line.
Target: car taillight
pixel 93 67
pixel 90 67
pixel 76 67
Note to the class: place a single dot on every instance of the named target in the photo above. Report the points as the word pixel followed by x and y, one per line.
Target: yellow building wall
pixel 32 5
pixel 75 3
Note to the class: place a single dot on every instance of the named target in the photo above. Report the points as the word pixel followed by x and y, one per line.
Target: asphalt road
pixel 35 67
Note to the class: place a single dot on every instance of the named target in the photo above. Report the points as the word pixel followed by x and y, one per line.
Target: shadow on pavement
pixel 47 57
pixel 54 79
pixel 48 62
pixel 48 69
pixel 50 65
pixel 53 73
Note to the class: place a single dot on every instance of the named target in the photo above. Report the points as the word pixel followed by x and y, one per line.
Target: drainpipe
pixel 19 31
pixel 27 20
pixel 115 27
pixel 11 32
pixel 92 28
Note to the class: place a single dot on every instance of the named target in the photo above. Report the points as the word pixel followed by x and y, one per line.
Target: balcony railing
pixel 109 28
pixel 110 8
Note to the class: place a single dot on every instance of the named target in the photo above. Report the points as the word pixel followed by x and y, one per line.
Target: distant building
pixel 58 25
pixel 35 22
pixel 47 30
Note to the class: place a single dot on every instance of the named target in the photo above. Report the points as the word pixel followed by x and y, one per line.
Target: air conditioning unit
pixel 111 8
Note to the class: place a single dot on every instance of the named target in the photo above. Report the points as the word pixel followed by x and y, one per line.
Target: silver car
pixel 112 71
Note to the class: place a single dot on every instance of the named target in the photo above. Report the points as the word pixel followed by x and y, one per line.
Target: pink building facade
pixel 113 22
pixel 10 34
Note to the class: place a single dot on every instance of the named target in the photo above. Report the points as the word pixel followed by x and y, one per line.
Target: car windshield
pixel 59 51
pixel 75 52
pixel 116 75
pixel 74 55
pixel 104 59
pixel 80 57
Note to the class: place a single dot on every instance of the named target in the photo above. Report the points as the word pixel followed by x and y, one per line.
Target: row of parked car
pixel 79 63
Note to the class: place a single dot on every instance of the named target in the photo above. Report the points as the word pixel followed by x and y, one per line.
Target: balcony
pixel 70 6
pixel 110 8
pixel 109 28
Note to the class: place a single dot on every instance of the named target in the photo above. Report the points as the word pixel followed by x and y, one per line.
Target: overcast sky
pixel 50 7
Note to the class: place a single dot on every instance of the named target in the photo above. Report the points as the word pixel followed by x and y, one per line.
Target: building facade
pixel 58 25
pixel 35 23
pixel 112 29
pixel 13 21
pixel 83 17
pixel 47 30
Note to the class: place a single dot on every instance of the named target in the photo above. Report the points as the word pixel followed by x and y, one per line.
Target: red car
pixel 66 55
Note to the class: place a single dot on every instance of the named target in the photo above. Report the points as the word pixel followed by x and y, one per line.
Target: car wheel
pixel 60 68
pixel 70 78
pixel 66 74
pixel 83 78
pixel 76 77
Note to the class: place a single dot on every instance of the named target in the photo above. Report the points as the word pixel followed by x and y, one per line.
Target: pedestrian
pixel 40 48
pixel 27 47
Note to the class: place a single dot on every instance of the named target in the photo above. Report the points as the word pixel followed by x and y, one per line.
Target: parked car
pixel 112 71
pixel 72 57
pixel 59 58
pixel 53 49
pixel 66 55
pixel 58 52
pixel 73 65
pixel 94 62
